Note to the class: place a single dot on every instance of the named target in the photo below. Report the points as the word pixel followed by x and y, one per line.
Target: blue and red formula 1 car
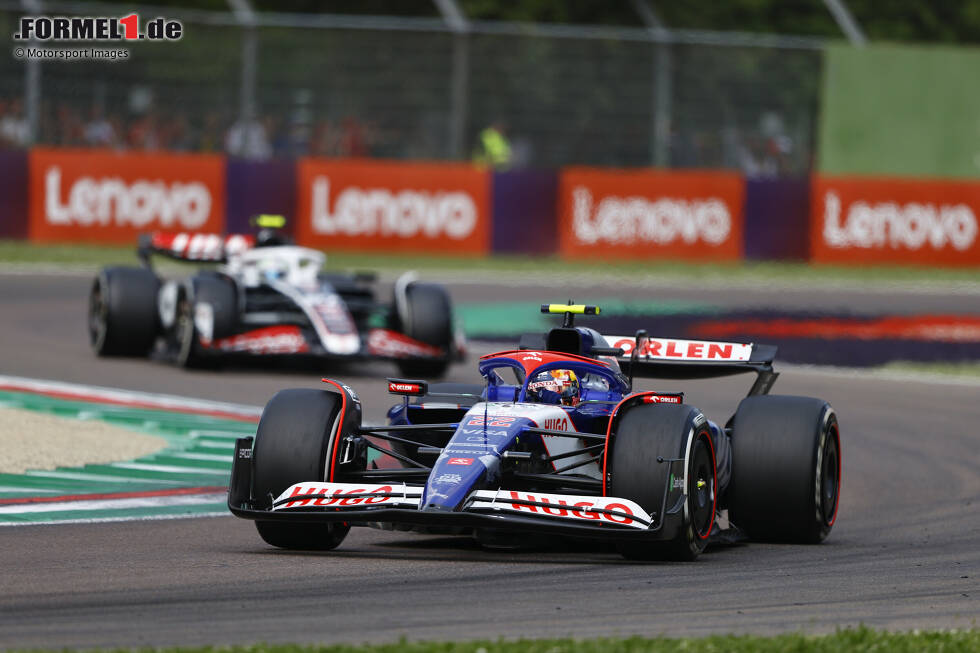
pixel 555 441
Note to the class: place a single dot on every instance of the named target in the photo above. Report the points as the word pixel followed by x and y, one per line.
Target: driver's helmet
pixel 270 238
pixel 554 387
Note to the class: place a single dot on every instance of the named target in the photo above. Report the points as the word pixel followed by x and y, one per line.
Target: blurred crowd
pixel 763 149
pixel 14 130
pixel 264 137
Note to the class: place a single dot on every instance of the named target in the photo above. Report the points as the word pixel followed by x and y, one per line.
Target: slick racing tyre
pixel 644 434
pixel 292 444
pixel 220 295
pixel 122 312
pixel 786 469
pixel 426 315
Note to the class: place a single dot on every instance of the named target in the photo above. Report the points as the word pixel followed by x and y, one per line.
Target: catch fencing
pixel 424 88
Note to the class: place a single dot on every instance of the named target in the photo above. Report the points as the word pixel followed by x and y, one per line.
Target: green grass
pixel 964 369
pixel 494 319
pixel 20 252
pixel 858 640
pixel 14 251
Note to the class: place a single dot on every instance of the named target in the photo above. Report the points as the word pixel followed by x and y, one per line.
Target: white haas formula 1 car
pixel 267 298
pixel 556 441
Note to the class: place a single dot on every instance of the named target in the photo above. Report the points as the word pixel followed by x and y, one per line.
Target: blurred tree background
pixel 939 21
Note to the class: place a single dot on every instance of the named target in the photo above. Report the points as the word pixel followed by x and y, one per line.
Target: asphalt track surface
pixel 905 552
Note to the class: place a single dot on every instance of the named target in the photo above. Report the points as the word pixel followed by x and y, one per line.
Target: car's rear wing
pixel 193 247
pixel 663 358
pixel 673 358
pixel 666 358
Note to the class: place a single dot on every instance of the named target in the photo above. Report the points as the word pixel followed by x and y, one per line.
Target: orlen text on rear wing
pixel 672 358
pixel 194 247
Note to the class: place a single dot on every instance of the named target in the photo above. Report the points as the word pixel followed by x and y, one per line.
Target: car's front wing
pixel 295 340
pixel 393 502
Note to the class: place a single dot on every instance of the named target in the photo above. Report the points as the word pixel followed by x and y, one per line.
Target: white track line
pixel 113 504
pixel 83 476
pixel 211 457
pixel 32 490
pixel 170 469
pixel 110 396
pixel 113 520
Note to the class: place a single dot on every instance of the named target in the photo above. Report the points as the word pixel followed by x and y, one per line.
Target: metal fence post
pixel 459 76
pixel 660 119
pixel 32 81
pixel 250 53
pixel 460 92
pixel 245 16
pixel 662 98
pixel 845 20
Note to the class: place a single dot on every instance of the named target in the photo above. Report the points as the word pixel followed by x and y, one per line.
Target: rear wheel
pixel 122 312
pixel 292 444
pixel 426 316
pixel 786 469
pixel 645 434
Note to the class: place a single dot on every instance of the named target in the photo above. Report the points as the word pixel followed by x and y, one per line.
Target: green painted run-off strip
pixel 198 454
pixel 505 319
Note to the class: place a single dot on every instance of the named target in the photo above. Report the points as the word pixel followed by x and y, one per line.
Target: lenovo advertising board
pixel 392 206
pixel 111 197
pixel 651 214
pixel 895 220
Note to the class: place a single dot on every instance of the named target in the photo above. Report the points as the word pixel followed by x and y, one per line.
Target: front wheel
pixel 216 297
pixel 293 443
pixel 786 469
pixel 680 494
pixel 185 343
pixel 308 537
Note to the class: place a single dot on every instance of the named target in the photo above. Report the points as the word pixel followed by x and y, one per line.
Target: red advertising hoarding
pixel 895 220
pixel 111 197
pixel 391 206
pixel 651 214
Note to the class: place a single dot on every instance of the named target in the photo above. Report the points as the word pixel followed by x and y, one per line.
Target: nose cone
pixel 454 476
pixel 471 459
